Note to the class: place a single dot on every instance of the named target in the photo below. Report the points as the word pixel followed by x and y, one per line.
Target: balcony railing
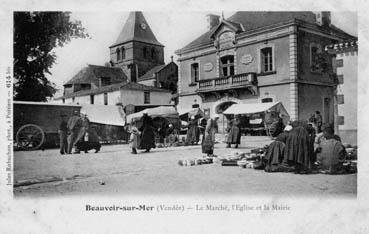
pixel 244 79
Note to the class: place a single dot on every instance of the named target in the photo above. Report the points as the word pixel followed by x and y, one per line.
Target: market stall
pixel 167 114
pixel 109 122
pixel 257 117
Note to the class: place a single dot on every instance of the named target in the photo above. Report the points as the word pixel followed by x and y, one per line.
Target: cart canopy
pixel 161 111
pixel 102 114
pixel 254 108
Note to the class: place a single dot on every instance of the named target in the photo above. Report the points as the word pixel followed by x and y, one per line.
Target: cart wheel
pixel 30 137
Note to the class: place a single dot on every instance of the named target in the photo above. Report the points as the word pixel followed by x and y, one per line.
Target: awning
pixel 161 111
pixel 102 114
pixel 253 108
pixel 190 112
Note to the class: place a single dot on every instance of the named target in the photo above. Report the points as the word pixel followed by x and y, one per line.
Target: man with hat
pixel 74 124
pixel 82 136
pixel 63 130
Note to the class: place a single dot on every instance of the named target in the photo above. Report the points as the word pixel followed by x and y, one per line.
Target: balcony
pixel 244 80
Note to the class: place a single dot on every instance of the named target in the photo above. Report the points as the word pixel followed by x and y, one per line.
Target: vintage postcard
pixel 183 117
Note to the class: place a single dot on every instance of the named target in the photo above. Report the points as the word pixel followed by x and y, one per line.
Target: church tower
pixel 136 50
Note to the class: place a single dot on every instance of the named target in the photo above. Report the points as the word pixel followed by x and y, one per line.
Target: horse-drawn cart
pixel 36 124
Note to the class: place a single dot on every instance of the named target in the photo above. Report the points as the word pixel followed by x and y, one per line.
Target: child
pixel 133 139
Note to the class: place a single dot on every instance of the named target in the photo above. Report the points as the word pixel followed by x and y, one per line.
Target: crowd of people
pixel 77 133
pixel 299 147
pixel 301 150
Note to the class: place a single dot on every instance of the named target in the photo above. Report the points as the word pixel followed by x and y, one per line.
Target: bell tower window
pixel 144 51
pixel 152 53
pixel 123 53
pixel 118 54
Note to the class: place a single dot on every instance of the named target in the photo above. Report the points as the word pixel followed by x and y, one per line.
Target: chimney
pixel 213 20
pixel 323 18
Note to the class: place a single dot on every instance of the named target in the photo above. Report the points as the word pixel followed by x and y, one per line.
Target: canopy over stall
pixel 161 111
pixel 254 108
pixel 102 114
pixel 185 114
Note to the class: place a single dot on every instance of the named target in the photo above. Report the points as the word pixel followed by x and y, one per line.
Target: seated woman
pixel 275 152
pixel 330 153
pixel 298 150
pixel 172 136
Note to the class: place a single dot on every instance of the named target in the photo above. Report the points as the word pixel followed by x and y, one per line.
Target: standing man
pixel 82 137
pixel 63 130
pixel 74 124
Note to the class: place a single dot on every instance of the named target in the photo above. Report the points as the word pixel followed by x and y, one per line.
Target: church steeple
pixel 136 49
pixel 136 28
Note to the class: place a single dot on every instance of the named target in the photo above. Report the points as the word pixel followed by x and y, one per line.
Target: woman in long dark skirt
pixel 209 136
pixel 275 152
pixel 234 135
pixel 297 151
pixel 148 135
pixel 193 132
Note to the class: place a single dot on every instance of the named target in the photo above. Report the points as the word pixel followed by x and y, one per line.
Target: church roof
pixel 251 21
pixel 92 73
pixel 136 28
pixel 150 74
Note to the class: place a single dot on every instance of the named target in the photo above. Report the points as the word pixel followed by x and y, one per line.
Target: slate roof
pixel 132 30
pixel 150 74
pixel 92 74
pixel 256 20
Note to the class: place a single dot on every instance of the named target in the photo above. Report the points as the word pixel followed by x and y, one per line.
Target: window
pixel 105 99
pixel 227 65
pixel 144 51
pixel 123 53
pixel 194 72
pixel 92 99
pixel 118 54
pixel 104 81
pixel 266 59
pixel 146 97
pixel 153 53
pixel 317 62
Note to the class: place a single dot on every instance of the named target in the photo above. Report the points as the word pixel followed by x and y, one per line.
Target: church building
pixel 135 75
pixel 257 57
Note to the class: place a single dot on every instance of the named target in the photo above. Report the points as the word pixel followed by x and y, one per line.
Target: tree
pixel 36 34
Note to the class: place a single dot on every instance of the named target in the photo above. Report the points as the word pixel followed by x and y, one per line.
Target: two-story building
pixel 262 57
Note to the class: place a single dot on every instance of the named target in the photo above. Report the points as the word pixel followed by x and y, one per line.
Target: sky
pixel 173 29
